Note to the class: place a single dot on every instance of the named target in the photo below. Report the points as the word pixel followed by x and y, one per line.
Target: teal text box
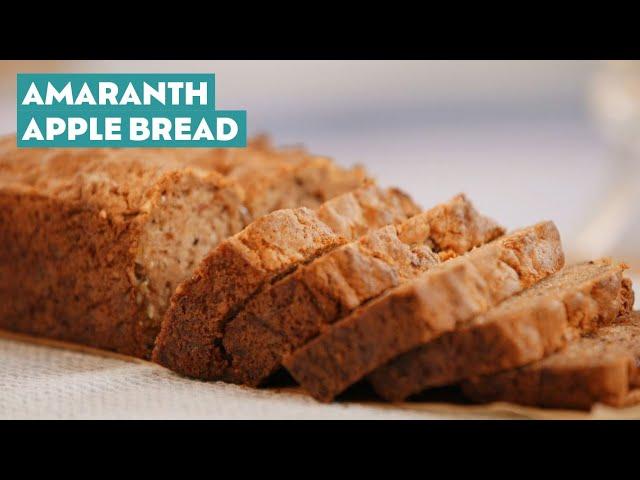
pixel 121 81
pixel 210 117
pixel 66 109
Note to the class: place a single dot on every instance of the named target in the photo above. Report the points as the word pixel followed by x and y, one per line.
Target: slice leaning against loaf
pixel 422 309
pixel 603 366
pixel 521 330
pixel 271 246
pixel 295 309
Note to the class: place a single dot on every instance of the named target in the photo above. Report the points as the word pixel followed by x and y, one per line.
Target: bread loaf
pixel 94 243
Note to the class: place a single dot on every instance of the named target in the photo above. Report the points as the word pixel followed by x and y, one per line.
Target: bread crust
pixel 269 178
pixel 424 308
pixel 523 329
pixel 269 248
pixel 298 307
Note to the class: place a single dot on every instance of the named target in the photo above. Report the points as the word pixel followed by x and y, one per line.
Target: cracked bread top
pixel 451 228
pixel 268 178
pixel 119 180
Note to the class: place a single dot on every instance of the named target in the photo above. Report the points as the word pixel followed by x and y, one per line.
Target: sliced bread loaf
pixel 93 242
pixel 521 330
pixel 270 247
pixel 422 309
pixel 298 307
pixel 603 366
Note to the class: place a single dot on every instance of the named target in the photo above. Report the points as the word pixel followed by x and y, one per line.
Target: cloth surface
pixel 40 382
pixel 41 379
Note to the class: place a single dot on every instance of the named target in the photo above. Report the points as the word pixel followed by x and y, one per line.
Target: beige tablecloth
pixel 41 379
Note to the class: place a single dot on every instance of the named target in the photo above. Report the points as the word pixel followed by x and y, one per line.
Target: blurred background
pixel 526 140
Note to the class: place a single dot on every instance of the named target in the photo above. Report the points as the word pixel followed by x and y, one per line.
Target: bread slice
pixel 521 330
pixel 422 309
pixel 270 247
pixel 603 366
pixel 296 308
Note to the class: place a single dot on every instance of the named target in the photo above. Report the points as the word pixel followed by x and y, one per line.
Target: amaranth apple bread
pixel 95 241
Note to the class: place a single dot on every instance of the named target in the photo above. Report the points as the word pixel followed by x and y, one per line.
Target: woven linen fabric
pixel 39 382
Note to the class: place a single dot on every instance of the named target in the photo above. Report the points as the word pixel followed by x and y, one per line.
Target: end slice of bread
pixel 423 309
pixel 521 330
pixel 603 366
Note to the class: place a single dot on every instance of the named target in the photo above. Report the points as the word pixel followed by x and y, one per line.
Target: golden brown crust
pixel 603 366
pixel 297 308
pixel 270 178
pixel 118 180
pixel 272 246
pixel 422 309
pixel 523 329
